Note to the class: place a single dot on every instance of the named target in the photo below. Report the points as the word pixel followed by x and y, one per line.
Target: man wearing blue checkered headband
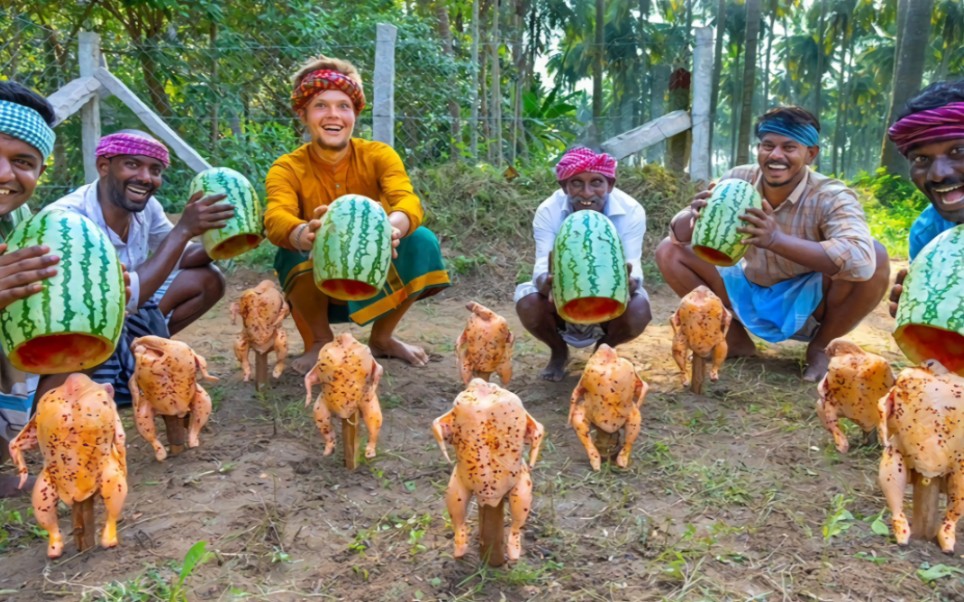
pixel 26 140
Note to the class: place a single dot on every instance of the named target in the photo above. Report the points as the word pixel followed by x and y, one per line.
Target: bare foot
pixel 555 370
pixel 307 360
pixel 739 343
pixel 412 354
pixel 817 364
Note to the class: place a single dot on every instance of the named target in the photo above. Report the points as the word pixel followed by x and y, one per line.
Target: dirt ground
pixel 738 494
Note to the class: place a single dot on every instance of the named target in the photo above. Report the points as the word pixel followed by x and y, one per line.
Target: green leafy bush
pixel 891 203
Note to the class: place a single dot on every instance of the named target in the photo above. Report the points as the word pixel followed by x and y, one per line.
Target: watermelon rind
pixel 353 245
pixel 930 314
pixel 589 269
pixel 244 230
pixel 81 308
pixel 715 238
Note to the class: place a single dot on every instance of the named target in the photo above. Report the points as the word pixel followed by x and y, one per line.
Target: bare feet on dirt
pixel 555 370
pixel 306 361
pixel 412 354
pixel 817 364
pixel 739 343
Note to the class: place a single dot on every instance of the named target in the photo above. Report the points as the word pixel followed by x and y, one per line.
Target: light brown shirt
pixel 819 209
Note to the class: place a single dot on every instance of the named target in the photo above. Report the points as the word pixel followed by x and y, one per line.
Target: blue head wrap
pixel 26 124
pixel 805 134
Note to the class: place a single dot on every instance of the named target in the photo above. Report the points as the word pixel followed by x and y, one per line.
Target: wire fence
pixel 228 96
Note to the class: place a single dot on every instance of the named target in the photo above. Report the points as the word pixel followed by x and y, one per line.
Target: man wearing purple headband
pixel 26 139
pixel 586 183
pixel 930 133
pixel 173 281
pixel 812 271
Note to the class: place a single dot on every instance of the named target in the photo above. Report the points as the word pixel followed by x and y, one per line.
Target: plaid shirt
pixel 820 209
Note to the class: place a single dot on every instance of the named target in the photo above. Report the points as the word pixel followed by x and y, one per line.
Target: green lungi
pixel 418 271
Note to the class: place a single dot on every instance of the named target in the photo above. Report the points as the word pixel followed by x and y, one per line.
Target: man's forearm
pixel 152 273
pixel 805 252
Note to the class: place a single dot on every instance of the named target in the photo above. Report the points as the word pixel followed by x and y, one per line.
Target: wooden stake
pixel 83 518
pixel 260 370
pixel 492 533
pixel 698 375
pixel 176 433
pixel 608 444
pixel 349 438
pixel 926 519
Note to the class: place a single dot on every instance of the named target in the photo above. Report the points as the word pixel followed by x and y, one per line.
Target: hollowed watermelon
pixel 589 280
pixel 244 231
pixel 353 249
pixel 715 239
pixel 930 315
pixel 74 322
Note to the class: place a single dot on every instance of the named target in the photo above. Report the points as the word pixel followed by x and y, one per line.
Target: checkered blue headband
pixel 805 134
pixel 26 124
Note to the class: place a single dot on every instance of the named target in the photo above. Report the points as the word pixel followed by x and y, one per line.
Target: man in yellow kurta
pixel 328 97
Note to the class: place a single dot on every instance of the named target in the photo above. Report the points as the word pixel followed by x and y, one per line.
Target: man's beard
pixel 116 192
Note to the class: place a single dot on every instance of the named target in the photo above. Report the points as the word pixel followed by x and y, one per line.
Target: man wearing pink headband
pixel 812 271
pixel 586 183
pixel 930 133
pixel 173 281
pixel 328 98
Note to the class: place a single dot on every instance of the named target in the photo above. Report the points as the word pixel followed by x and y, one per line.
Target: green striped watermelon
pixel 589 280
pixel 74 322
pixel 930 315
pixel 244 231
pixel 715 239
pixel 353 249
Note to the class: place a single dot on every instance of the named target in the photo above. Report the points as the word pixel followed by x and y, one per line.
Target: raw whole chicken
pixel 349 377
pixel 488 427
pixel 485 346
pixel 609 395
pixel 82 442
pixel 700 324
pixel 920 424
pixel 854 383
pixel 165 384
pixel 262 310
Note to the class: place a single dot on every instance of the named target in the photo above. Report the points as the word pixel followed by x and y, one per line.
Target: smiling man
pixel 328 97
pixel 586 183
pixel 930 133
pixel 173 281
pixel 812 271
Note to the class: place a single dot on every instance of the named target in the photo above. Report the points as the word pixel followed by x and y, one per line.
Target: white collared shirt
pixel 148 228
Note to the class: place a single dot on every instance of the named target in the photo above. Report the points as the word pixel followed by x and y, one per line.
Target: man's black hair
pixel 792 114
pixel 935 95
pixel 11 91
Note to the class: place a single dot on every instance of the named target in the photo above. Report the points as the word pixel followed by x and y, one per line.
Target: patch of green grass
pixel 18 528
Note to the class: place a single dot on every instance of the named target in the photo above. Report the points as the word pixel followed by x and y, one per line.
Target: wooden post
pixel 926 518
pixel 88 56
pixel 349 439
pixel 700 163
pixel 83 519
pixel 698 375
pixel 260 370
pixel 176 433
pixel 607 444
pixel 383 105
pixel 492 533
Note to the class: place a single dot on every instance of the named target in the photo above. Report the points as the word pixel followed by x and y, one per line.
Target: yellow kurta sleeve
pixel 396 187
pixel 283 211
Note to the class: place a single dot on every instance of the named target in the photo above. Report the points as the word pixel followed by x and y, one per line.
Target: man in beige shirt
pixel 812 270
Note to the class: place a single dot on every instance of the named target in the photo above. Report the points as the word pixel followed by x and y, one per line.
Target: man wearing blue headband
pixel 26 139
pixel 812 271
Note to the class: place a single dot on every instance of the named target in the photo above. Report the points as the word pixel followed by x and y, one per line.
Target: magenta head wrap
pixel 580 159
pixel 327 79
pixel 131 144
pixel 932 125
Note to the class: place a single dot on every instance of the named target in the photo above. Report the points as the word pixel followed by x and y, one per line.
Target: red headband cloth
pixel 326 79
pixel 132 144
pixel 580 159
pixel 924 127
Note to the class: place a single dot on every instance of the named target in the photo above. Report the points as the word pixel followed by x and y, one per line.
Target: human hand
pixel 896 292
pixel 396 238
pixel 203 213
pixel 127 283
pixel 22 271
pixel 700 199
pixel 762 229
pixel 633 281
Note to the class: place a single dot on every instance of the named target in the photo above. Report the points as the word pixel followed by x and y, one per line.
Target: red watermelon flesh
pixel 235 246
pixel 348 290
pixel 63 352
pixel 921 343
pixel 593 310
pixel 713 256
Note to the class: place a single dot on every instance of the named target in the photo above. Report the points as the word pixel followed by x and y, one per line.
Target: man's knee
pixel 666 254
pixel 882 271
pixel 533 310
pixel 213 283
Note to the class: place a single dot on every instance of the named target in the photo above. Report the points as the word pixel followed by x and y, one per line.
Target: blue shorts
pixel 775 313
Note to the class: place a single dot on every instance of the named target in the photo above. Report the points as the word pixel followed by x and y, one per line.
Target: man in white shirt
pixel 587 182
pixel 173 281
